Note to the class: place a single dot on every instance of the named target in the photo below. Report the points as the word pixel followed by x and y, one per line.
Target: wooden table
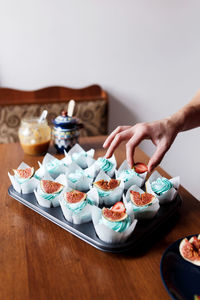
pixel 39 260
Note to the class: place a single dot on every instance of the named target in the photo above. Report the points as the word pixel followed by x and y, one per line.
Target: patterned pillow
pixel 93 114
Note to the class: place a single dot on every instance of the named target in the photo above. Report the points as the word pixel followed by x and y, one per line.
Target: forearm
pixel 188 117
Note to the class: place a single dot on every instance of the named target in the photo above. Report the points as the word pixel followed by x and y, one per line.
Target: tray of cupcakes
pixel 111 209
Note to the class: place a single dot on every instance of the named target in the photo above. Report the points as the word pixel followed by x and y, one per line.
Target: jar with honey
pixel 34 136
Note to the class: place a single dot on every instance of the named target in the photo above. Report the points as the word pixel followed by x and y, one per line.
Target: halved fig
pixel 24 173
pixel 140 167
pixel 106 185
pixel 190 250
pixel 113 216
pixel 74 196
pixel 141 200
pixel 50 187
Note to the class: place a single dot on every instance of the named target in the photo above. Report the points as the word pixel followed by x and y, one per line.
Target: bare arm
pixel 162 133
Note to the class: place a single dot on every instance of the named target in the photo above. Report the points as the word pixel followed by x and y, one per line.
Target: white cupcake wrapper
pixel 108 235
pixel 28 186
pixel 53 202
pixel 114 195
pixel 84 183
pixel 82 161
pixel 140 213
pixel 167 196
pixel 54 172
pixel 135 180
pixel 84 216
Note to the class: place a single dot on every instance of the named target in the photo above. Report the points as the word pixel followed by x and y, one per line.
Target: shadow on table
pixel 152 240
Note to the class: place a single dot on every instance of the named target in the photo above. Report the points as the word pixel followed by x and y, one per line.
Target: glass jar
pixel 34 136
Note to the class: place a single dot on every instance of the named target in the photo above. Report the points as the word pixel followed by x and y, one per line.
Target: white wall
pixel 145 53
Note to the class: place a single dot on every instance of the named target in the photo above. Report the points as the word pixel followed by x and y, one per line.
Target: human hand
pixel 162 134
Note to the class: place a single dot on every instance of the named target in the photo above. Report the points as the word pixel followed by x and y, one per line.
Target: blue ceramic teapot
pixel 65 132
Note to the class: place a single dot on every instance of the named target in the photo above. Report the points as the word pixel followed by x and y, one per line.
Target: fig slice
pixel 190 250
pixel 141 200
pixel 113 215
pixel 24 173
pixel 50 187
pixel 106 185
pixel 74 196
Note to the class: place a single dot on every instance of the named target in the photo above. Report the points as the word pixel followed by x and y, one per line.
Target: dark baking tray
pixel 86 231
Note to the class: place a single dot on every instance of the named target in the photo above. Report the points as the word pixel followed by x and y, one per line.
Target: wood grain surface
pixel 39 260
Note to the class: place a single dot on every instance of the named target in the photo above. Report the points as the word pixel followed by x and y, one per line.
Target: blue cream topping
pixel 126 175
pixel 103 193
pixel 104 164
pixel 78 207
pixel 74 177
pixel 118 226
pixel 161 185
pixel 52 165
pixel 49 196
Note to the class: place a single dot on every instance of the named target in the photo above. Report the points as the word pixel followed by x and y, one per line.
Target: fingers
pixel 130 147
pixel 119 137
pixel 157 157
pixel 110 138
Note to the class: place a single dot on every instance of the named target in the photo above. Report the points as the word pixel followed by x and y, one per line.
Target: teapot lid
pixel 64 120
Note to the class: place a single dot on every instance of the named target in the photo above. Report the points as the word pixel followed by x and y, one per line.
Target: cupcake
pixel 23 180
pixel 130 176
pixel 110 190
pixel 143 205
pixel 49 191
pixel 51 165
pixel 164 189
pixel 76 206
pixel 113 225
pixel 106 165
pixel 81 157
pixel 79 179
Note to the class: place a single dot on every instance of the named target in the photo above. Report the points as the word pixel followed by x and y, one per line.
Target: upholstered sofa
pixel 91 108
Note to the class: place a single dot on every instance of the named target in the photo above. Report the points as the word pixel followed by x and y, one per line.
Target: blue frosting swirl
pixel 104 164
pixel 74 177
pixel 161 185
pixel 119 226
pixel 125 175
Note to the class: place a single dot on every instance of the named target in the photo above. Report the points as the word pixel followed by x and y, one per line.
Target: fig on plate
pixel 141 200
pixel 24 173
pixel 106 185
pixel 74 196
pixel 50 187
pixel 190 250
pixel 113 215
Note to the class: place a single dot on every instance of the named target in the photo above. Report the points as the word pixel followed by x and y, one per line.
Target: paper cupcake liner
pixel 109 197
pixel 145 212
pixel 134 180
pixel 84 216
pixel 84 183
pixel 168 196
pixel 108 235
pixel 80 160
pixel 26 187
pixel 51 202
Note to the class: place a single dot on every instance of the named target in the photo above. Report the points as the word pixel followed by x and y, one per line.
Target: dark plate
pixel 180 277
pixel 86 231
